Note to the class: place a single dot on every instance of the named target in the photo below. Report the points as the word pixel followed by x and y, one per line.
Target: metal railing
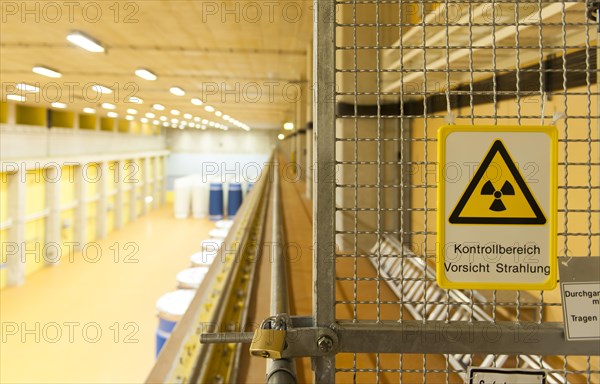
pixel 222 300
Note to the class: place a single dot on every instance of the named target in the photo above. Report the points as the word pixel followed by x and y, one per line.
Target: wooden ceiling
pixel 245 58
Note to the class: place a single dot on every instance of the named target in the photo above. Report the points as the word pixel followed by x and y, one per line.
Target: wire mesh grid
pixel 405 68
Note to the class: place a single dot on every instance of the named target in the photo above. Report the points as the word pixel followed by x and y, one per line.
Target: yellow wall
pixel 35 202
pixel 91 191
pixel 67 216
pixel 3 218
pixel 123 126
pixel 169 197
pixel 140 177
pixel 3 112
pixel 31 115
pixel 111 182
pixel 107 124
pixel 87 121
pixel 64 119
pixel 134 126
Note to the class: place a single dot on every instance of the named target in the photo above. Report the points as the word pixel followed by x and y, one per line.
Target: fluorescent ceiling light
pixel 191 125
pixel 197 101
pixel 174 121
pixel 89 110
pixel 146 74
pixel 165 124
pixel 158 107
pixel 108 106
pixel 209 108
pixel 203 127
pixel 44 71
pixel 85 42
pixel 288 126
pixel 197 119
pixel 135 100
pixel 163 118
pixel 177 91
pixel 211 123
pixel 281 136
pixel 155 122
pixel 129 117
pixel 56 104
pixel 218 113
pixel 144 120
pixel 112 114
pixel 132 111
pixel 175 112
pixel 16 97
pixel 187 116
pixel 226 117
pixel 27 87
pixel 150 115
pixel 102 89
pixel 204 121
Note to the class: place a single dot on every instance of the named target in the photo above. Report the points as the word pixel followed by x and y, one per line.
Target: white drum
pixel 200 259
pixel 218 233
pixel 211 245
pixel 182 192
pixel 171 306
pixel 199 197
pixel 224 224
pixel 191 278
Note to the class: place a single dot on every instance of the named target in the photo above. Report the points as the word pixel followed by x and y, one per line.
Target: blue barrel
pixel 215 201
pixel 234 200
pixel 171 306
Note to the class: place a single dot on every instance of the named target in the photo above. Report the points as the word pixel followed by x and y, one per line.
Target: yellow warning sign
pixel 497 207
pixel 497 194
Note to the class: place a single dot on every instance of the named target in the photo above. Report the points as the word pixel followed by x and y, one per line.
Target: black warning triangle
pixel 488 189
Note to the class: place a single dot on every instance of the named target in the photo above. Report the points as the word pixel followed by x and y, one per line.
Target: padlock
pixel 268 343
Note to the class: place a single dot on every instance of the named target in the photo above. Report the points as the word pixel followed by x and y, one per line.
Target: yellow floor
pixel 111 296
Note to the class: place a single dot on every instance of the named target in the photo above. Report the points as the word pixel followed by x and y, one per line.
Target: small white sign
pixel 581 309
pixel 505 376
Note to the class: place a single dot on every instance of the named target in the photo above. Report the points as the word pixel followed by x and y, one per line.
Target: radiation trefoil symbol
pixel 513 203
pixel 507 189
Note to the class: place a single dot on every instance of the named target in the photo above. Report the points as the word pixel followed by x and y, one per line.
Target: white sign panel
pixel 505 376
pixel 581 308
pixel 497 192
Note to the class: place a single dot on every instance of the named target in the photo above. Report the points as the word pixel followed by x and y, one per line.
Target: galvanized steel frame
pixel 407 336
pixel 324 180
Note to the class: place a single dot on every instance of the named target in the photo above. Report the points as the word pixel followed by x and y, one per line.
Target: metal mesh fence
pixel 402 70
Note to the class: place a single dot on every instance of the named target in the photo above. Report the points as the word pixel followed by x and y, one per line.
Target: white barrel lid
pixel 172 305
pixel 218 233
pixel 211 244
pixel 203 258
pixel 192 277
pixel 224 224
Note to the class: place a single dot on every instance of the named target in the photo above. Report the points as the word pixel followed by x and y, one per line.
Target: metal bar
pixel 279 286
pixel 279 371
pixel 324 185
pixel 460 337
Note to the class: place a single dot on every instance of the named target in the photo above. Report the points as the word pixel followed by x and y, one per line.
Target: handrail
pixel 279 371
pixel 183 358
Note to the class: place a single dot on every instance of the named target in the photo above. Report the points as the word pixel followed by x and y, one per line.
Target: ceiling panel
pixel 210 49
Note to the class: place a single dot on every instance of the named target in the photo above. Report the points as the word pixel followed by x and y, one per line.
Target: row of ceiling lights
pixel 92 45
